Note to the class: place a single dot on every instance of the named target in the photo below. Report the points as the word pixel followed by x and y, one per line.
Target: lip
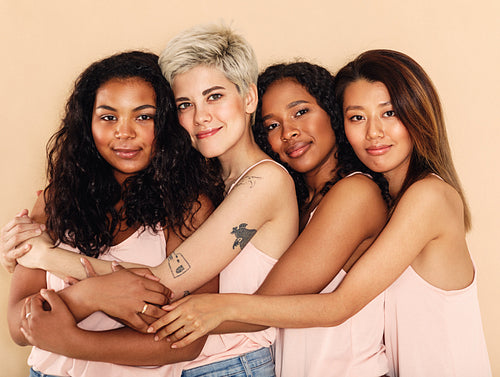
pixel 126 153
pixel 378 150
pixel 207 133
pixel 297 149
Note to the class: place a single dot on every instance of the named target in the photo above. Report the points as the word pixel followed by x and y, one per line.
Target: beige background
pixel 46 44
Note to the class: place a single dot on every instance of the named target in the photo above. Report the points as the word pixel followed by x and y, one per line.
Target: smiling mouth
pixel 126 153
pixel 207 133
pixel 378 150
pixel 297 150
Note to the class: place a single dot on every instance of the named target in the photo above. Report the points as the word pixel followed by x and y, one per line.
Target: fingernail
pixel 173 346
pixel 157 338
pixel 150 330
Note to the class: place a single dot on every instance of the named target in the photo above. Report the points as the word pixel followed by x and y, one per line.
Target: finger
pixel 187 340
pixel 115 266
pixel 145 272
pixel 23 212
pixel 157 298
pixel 51 297
pixel 153 312
pixel 89 269
pixel 161 322
pixel 71 280
pixel 170 329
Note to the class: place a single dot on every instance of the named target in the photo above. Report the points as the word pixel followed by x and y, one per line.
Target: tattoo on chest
pixel 250 180
pixel 177 264
pixel 243 235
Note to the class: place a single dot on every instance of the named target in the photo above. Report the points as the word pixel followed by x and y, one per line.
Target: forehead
pixel 131 87
pixel 200 78
pixel 283 92
pixel 362 92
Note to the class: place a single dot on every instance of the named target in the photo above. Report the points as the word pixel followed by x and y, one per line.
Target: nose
pixel 288 131
pixel 201 114
pixel 125 129
pixel 375 129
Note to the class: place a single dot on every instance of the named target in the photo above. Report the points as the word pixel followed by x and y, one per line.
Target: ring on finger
pixel 144 308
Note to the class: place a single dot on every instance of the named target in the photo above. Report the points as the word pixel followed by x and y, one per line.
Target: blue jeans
pixel 35 373
pixel 258 363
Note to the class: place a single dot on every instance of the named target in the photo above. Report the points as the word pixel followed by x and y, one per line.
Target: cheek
pixel 274 141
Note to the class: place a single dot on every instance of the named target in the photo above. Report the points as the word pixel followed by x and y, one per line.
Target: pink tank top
pixel 152 252
pixel 354 348
pixel 432 332
pixel 244 274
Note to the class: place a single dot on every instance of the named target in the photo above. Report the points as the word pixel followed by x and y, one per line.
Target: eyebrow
pixel 289 106
pixel 138 108
pixel 359 107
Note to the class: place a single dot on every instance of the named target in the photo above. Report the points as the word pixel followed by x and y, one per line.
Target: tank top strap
pixel 358 172
pixel 250 168
pixel 437 176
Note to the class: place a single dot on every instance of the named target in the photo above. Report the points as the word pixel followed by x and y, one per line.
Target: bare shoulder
pixel 267 174
pixel 433 193
pixel 356 191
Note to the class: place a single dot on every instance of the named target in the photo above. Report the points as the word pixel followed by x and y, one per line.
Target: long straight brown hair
pixel 417 105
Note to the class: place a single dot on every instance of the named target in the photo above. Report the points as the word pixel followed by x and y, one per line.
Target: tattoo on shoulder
pixel 243 235
pixel 250 180
pixel 186 293
pixel 178 264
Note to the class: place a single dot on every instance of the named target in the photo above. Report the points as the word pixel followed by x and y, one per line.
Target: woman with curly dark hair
pixel 341 213
pixel 124 185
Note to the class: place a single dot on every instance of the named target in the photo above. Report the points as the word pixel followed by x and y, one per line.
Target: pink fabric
pixel 353 348
pixel 145 248
pixel 431 332
pixel 243 275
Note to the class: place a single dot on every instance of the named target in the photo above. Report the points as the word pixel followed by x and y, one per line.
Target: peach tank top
pixel 152 252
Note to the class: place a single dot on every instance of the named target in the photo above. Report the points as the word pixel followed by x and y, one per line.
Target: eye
pixel 108 118
pixel 183 106
pixel 271 126
pixel 301 112
pixel 145 117
pixel 356 118
pixel 214 97
pixel 390 113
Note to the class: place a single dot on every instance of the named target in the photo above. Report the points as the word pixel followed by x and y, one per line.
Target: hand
pixel 127 295
pixel 12 236
pixel 190 318
pixel 47 323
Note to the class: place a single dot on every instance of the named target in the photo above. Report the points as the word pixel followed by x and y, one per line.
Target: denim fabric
pixel 258 363
pixel 35 373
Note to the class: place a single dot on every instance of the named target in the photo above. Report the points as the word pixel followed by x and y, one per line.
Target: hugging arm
pixel 209 249
pixel 328 244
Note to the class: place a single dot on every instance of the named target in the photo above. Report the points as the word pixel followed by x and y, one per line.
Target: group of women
pixel 317 227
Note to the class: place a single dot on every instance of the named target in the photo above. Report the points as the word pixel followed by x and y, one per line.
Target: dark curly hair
pixel 319 82
pixel 82 191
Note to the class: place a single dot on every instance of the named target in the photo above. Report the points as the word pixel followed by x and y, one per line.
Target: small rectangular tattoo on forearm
pixel 243 235
pixel 178 264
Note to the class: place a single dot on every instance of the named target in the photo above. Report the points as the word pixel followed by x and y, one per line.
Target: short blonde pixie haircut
pixel 212 45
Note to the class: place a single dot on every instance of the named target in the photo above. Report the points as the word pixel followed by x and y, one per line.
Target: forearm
pixel 231 327
pixel 297 311
pixel 127 347
pixel 60 262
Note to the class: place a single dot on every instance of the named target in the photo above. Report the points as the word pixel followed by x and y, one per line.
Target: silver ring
pixel 28 315
pixel 144 308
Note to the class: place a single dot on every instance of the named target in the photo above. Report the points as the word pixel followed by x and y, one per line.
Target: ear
pixel 251 99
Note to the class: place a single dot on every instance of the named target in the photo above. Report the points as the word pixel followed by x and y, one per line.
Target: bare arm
pixel 344 225
pixel 242 213
pixel 425 231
